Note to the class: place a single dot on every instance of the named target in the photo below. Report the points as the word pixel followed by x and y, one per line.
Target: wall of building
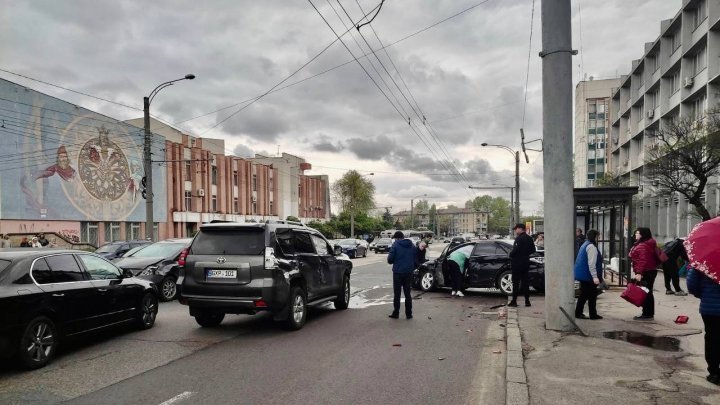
pixel 678 76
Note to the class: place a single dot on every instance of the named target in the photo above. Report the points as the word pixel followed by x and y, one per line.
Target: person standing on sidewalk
pixel 708 291
pixel 456 264
pixel 404 257
pixel 589 272
pixel 520 264
pixel 644 259
pixel 671 269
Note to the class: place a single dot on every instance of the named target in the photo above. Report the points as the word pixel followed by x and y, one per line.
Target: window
pixel 699 14
pixel 88 232
pixel 112 231
pixel 235 178
pixel 41 272
pixel 188 170
pixel 675 41
pixel 651 63
pixel 485 249
pixel 600 130
pixel 465 249
pixel 592 110
pixel 213 203
pixel 99 269
pixel 254 207
pixel 697 108
pixel 699 61
pixel 236 205
pixel 303 243
pixel 254 182
pixel 214 175
pixel 65 268
pixel 188 200
pixel 227 242
pixel 675 82
pixel 132 231
pixel 271 208
pixel 321 246
pixel 285 241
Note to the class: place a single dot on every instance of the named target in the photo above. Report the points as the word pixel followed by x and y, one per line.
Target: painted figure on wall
pixel 61 167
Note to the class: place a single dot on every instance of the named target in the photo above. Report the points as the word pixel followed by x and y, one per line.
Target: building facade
pixel 451 221
pixel 75 173
pixel 592 129
pixel 678 76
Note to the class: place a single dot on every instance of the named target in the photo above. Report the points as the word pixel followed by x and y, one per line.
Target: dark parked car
pixel 383 245
pixel 113 250
pixel 353 248
pixel 487 267
pixel 280 267
pixel 49 295
pixel 157 263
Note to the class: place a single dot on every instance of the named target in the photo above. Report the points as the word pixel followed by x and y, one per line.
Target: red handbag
pixel 634 294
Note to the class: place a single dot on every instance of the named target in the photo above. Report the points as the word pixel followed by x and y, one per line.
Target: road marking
pixel 179 397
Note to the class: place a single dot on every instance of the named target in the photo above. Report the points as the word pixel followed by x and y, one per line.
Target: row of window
pixel 214 204
pixel 89 232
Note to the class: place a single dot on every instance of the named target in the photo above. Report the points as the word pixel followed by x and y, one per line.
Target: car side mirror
pixel 337 249
pixel 126 273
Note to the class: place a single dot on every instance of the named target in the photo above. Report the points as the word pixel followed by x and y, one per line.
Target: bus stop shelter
pixel 608 210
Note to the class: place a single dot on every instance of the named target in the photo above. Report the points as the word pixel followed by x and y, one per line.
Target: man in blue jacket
pixel 708 291
pixel 403 256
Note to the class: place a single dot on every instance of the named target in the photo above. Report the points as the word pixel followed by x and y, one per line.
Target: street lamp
pixel 516 155
pixel 147 156
pixel 412 209
pixel 352 206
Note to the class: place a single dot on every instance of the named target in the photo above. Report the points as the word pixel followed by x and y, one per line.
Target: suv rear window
pixel 229 242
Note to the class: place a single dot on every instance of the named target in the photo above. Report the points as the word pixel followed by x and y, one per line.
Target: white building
pixel 678 76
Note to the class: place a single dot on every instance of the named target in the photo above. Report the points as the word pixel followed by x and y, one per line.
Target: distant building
pixel 452 221
pixel 677 76
pixel 592 129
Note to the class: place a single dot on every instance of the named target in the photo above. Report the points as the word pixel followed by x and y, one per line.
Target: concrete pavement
pixel 567 368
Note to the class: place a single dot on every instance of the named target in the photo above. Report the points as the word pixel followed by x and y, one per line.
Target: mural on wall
pixel 62 162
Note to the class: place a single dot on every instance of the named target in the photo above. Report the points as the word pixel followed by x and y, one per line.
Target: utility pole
pixel 558 175
pixel 148 180
pixel 517 186
pixel 412 213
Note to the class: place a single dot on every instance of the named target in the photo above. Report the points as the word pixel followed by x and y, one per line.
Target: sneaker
pixel 512 304
pixel 460 294
pixel 713 378
pixel 595 317
pixel 643 318
pixel 669 292
pixel 394 316
pixel 454 292
pixel 681 293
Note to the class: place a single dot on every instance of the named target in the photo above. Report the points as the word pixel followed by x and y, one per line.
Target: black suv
pixel 281 267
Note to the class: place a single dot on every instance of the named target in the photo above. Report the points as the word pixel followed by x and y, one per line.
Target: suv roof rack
pixel 283 221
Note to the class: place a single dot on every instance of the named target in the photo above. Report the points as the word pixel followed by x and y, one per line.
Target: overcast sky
pixel 467 76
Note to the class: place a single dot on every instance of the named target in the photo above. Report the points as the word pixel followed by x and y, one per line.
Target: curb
pixel 516 388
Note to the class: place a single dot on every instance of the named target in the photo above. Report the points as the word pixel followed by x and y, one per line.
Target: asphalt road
pixel 447 353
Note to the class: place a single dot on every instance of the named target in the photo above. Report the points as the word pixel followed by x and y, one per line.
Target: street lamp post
pixel 516 155
pixel 352 207
pixel 412 210
pixel 147 157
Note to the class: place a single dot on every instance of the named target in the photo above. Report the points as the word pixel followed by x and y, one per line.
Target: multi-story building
pixel 678 76
pixel 592 129
pixel 76 173
pixel 452 221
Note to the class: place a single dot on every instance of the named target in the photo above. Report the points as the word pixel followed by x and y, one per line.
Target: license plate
pixel 222 274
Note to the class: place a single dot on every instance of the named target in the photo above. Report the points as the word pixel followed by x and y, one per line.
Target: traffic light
pixel 143 185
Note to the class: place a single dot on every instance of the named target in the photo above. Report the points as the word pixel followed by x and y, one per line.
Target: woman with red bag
pixel 644 259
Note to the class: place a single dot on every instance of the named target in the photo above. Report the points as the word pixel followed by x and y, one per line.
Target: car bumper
pixel 268 294
pixel 154 278
pixel 384 249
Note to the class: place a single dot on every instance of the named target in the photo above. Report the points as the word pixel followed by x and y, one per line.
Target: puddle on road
pixel 668 344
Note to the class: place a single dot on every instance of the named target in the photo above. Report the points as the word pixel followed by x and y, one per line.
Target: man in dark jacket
pixel 520 264
pixel 404 258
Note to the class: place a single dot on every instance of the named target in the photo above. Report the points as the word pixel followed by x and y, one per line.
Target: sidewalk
pixel 567 368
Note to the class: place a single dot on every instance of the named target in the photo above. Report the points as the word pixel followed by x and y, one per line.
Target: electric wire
pixel 527 74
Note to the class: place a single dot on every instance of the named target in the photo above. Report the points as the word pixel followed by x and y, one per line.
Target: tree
pixel 292 218
pixel 387 219
pixel 685 155
pixel 498 209
pixel 610 179
pixel 325 228
pixel 433 217
pixel 354 193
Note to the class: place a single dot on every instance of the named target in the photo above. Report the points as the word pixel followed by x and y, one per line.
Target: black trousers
pixel 712 337
pixel 520 280
pixel 456 276
pixel 671 273
pixel 588 293
pixel 402 281
pixel 648 280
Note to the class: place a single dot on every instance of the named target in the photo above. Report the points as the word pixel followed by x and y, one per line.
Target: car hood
pixel 137 262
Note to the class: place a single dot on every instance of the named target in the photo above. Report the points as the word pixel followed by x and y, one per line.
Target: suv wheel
pixel 298 309
pixel 209 319
pixel 168 289
pixel 504 283
pixel 38 343
pixel 344 299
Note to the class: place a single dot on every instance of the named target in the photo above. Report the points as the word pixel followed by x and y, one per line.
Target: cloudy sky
pixel 466 76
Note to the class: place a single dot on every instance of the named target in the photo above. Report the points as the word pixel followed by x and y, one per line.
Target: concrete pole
pixel 352 212
pixel 512 213
pixel 517 186
pixel 558 174
pixel 412 213
pixel 147 157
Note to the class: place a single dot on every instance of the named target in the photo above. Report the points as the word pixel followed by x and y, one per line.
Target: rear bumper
pixel 263 294
pixel 228 305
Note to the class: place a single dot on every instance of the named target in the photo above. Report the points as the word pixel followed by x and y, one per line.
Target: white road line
pixel 178 398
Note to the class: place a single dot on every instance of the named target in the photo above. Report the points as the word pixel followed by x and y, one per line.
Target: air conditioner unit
pixel 651 113
pixel 689 81
pixel 616 141
pixel 201 192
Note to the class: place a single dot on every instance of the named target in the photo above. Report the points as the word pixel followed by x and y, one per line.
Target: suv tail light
pixel 270 260
pixel 183 255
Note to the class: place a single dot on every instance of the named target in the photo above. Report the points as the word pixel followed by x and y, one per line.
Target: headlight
pixel 150 270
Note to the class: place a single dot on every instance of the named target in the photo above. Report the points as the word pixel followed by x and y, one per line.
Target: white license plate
pixel 222 274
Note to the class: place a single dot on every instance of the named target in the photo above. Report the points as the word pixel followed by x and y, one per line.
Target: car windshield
pixel 385 240
pixel 160 250
pixel 132 251
pixel 108 248
pixel 229 242
pixel 347 242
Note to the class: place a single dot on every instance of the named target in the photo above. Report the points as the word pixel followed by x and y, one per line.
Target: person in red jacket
pixel 644 259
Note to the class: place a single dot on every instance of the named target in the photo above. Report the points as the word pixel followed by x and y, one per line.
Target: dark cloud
pixel 244 151
pixel 325 143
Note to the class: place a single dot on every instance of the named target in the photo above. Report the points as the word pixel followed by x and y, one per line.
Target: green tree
pixel 498 209
pixel 292 218
pixel 609 179
pixel 325 228
pixel 433 217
